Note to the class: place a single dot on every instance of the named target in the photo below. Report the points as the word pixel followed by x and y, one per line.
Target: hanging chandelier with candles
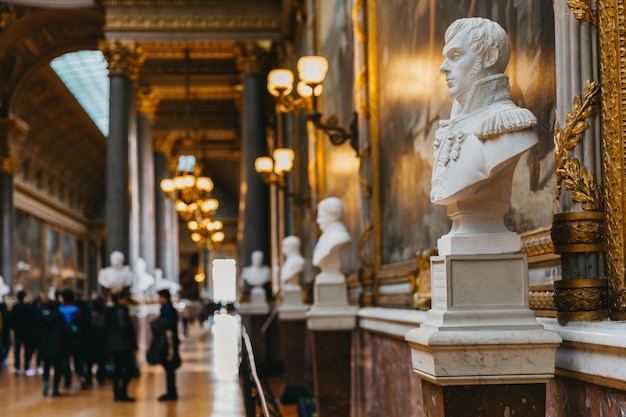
pixel 191 192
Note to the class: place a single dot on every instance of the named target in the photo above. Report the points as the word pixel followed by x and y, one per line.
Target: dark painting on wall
pixel 413 97
pixel 28 255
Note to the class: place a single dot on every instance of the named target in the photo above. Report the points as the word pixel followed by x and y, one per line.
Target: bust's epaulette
pixel 510 119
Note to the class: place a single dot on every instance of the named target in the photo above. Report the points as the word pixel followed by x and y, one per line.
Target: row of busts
pixel 326 257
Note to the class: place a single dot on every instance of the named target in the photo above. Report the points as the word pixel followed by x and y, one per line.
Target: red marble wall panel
pixel 384 383
pixel 571 398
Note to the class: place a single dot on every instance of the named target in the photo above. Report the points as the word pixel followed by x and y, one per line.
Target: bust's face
pixel 257 258
pixel 323 219
pixel 461 66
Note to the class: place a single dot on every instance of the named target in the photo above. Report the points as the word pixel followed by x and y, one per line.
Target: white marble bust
pixel 144 279
pixel 4 288
pixel 256 275
pixel 161 283
pixel 477 149
pixel 292 268
pixel 335 235
pixel 117 276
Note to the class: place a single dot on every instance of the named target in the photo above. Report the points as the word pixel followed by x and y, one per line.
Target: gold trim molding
pixel 612 32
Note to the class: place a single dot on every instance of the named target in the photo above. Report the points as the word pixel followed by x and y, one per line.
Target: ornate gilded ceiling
pixel 62 153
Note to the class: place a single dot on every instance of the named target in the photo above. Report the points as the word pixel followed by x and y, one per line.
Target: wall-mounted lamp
pixel 273 169
pixel 312 72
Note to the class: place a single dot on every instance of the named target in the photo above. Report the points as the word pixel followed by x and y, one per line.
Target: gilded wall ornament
pixel 581 9
pixel 569 171
pixel 612 32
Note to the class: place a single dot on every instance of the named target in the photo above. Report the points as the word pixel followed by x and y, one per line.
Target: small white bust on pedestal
pixel 331 310
pixel 292 307
pixel 117 276
pixel 256 276
pixel 480 327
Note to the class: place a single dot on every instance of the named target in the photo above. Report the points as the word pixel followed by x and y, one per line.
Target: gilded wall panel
pixel 409 97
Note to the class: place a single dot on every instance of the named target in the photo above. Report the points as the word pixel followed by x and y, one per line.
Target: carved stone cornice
pixel 123 57
pixel 148 101
pixel 125 18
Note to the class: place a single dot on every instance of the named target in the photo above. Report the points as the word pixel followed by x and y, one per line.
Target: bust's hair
pixel 484 34
pixel 116 255
pixel 331 206
pixel 292 242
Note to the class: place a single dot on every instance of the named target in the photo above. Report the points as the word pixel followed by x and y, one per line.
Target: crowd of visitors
pixel 69 337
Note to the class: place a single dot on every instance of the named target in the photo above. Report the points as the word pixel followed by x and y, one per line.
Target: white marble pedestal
pixel 331 310
pixel 292 307
pixel 480 329
pixel 257 305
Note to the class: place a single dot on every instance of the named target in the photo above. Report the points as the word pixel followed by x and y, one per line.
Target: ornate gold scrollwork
pixel 612 33
pixel 148 101
pixel 581 299
pixel 9 164
pixel 124 57
pixel 581 9
pixel 569 171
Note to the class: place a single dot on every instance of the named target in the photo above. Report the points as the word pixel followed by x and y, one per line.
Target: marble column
pixel 578 231
pixel 147 102
pixel 165 233
pixel 10 129
pixel 125 60
pixel 254 196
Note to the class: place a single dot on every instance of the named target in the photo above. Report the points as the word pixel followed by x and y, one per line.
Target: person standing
pixel 165 343
pixel 121 344
pixel 54 336
pixel 74 318
pixel 21 319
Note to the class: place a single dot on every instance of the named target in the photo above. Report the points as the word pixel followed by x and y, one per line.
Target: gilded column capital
pixel 12 134
pixel 251 57
pixel 163 142
pixel 148 101
pixel 125 57
pixel 9 164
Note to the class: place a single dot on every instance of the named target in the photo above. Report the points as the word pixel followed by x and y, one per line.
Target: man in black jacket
pixel 121 345
pixel 22 319
pixel 170 360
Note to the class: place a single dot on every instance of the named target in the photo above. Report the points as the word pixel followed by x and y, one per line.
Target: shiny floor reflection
pixel 208 385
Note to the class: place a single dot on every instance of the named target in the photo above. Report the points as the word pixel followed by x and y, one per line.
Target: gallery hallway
pixel 208 385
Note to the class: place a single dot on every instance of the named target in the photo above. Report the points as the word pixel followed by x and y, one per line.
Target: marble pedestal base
pixel 296 350
pixel 292 307
pixel 257 305
pixel 528 400
pixel 331 310
pixel 331 320
pixel 480 329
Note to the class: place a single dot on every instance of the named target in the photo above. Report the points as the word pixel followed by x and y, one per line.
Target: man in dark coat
pixel 165 328
pixel 54 339
pixel 22 319
pixel 121 345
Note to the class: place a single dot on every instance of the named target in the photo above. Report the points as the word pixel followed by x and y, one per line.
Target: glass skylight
pixel 86 75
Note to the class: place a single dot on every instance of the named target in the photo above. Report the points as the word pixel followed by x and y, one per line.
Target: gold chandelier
pixel 190 193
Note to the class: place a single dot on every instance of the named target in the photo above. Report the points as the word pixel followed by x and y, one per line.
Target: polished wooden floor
pixel 208 385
